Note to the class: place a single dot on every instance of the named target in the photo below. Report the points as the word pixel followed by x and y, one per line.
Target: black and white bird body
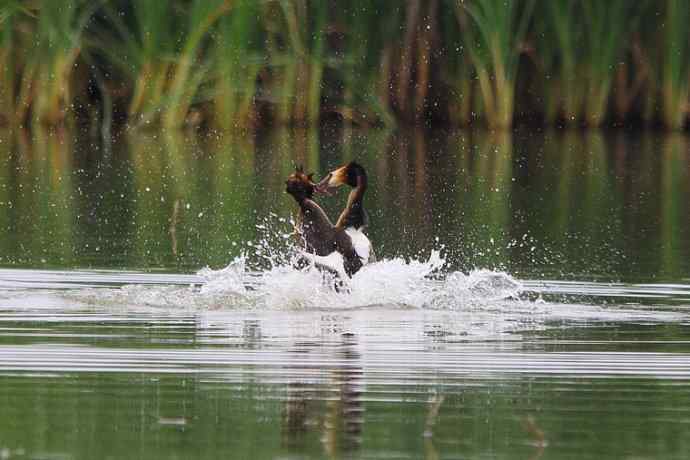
pixel 353 219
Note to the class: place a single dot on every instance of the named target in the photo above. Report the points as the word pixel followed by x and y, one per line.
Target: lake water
pixel 531 298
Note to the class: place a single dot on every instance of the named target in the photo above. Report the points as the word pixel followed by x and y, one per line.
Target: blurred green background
pixel 243 63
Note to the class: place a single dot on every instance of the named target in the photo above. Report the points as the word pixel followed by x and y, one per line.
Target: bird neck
pixel 358 192
pixel 353 215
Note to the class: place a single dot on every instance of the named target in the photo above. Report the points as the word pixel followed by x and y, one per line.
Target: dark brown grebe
pixel 317 233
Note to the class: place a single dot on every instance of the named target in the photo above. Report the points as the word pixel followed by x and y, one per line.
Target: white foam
pixel 266 279
pixel 391 282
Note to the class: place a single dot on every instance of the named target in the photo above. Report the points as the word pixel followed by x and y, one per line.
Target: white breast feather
pixel 360 242
pixel 335 261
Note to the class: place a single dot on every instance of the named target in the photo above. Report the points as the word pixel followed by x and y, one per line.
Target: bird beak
pixel 333 179
pixel 323 187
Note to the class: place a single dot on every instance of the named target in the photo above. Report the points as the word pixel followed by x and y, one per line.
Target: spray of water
pixel 390 282
pixel 264 281
pixel 267 278
pixel 417 296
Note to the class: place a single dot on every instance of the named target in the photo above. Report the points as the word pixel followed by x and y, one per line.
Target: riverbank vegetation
pixel 243 63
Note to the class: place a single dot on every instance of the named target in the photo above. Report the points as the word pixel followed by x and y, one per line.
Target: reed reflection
pixel 344 418
pixel 335 413
pixel 674 203
pixel 38 207
pixel 563 204
pixel 8 190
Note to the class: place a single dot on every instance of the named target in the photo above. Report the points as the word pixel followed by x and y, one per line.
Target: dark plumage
pixel 317 233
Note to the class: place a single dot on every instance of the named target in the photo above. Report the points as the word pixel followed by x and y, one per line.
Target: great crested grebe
pixel 353 219
pixel 317 233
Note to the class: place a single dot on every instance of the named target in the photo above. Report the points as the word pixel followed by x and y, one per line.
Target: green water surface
pixel 528 378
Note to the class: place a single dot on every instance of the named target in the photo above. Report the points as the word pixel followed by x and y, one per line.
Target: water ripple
pixel 405 367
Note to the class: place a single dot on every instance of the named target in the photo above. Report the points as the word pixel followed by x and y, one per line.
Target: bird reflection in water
pixel 338 422
pixel 342 428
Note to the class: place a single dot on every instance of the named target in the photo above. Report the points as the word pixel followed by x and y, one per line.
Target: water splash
pixel 265 277
pixel 391 282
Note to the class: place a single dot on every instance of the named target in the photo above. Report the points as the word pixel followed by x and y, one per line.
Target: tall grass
pixel 185 82
pixel 458 73
pixel 238 59
pixel 39 51
pixel 647 51
pixel 224 62
pixel 368 33
pixel 606 30
pixel 144 53
pixel 158 51
pixel 676 63
pixel 7 59
pixel 560 38
pixel 403 98
pixel 57 48
pixel 297 50
pixel 493 38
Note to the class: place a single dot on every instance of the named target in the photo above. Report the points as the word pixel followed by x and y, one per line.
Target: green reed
pixel 144 54
pixel 182 62
pixel 458 73
pixel 647 50
pixel 676 63
pixel 7 58
pixel 39 46
pixel 606 24
pixel 493 37
pixel 186 80
pixel 157 50
pixel 297 53
pixel 238 59
pixel 371 32
pixel 559 49
pixel 55 53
